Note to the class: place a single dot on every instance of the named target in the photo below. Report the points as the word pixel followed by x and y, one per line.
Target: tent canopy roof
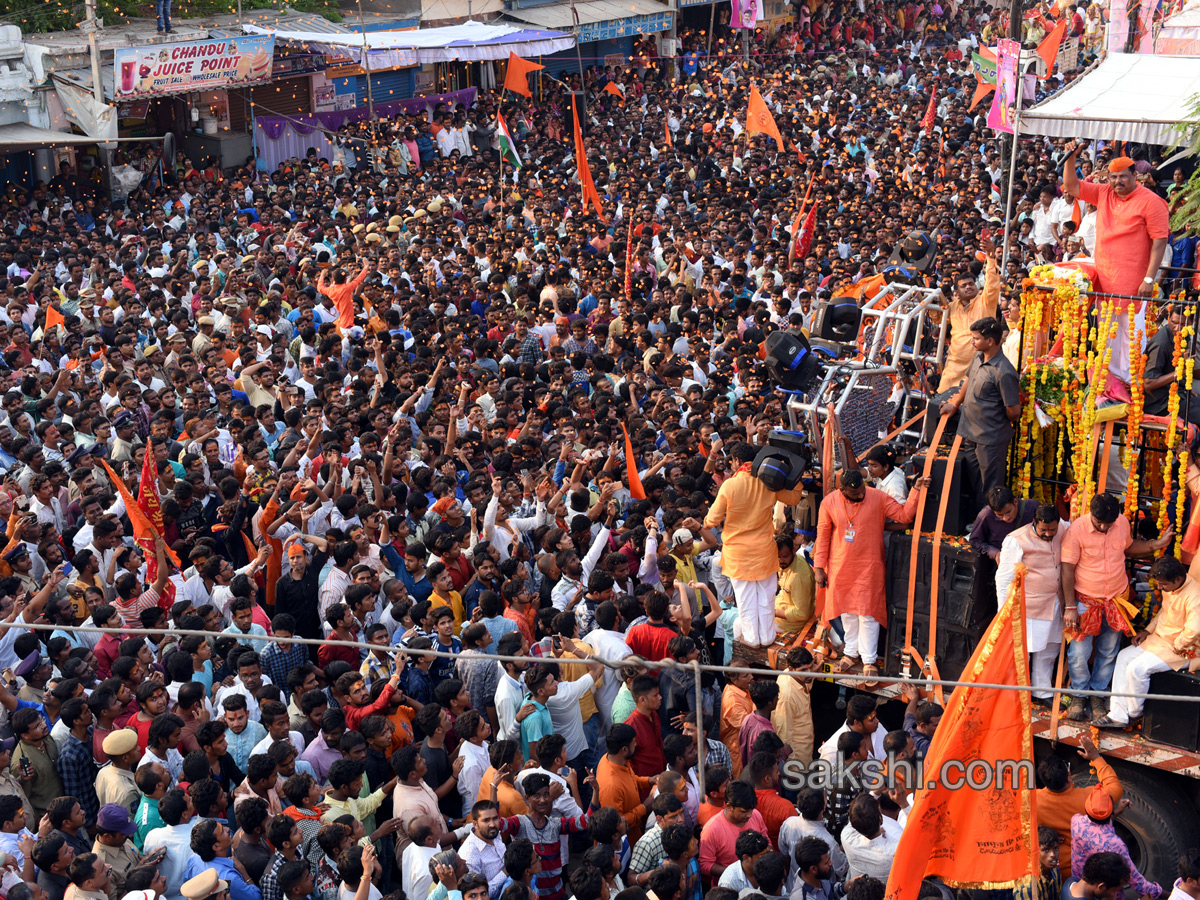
pixel 1127 97
pixel 471 41
pixel 30 137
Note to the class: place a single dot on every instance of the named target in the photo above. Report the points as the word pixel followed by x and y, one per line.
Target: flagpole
pixel 1012 162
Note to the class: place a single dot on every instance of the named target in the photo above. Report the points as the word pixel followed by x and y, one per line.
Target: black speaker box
pixel 1175 723
pixel 961 510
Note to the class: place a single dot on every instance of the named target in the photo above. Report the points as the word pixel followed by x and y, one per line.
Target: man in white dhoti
pixel 1039 546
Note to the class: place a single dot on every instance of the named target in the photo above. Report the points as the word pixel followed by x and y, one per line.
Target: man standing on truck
pixel 848 558
pixel 1095 586
pixel 1038 546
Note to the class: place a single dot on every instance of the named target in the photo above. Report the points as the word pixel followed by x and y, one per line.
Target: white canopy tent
pixel 1180 34
pixel 469 42
pixel 1127 97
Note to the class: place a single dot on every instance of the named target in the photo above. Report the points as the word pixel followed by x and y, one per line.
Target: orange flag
pixel 611 88
pixel 930 116
pixel 142 529
pixel 977 837
pixel 667 133
pixel 53 317
pixel 759 119
pixel 581 164
pixel 636 491
pixel 982 89
pixel 516 77
pixel 151 507
pixel 1048 48
pixel 275 560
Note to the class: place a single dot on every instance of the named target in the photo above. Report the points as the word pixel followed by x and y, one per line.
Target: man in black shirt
pixel 441 775
pixel 296 592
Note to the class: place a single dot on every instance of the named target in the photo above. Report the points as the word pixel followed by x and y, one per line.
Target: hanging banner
pixel 192 66
pixel 1118 26
pixel 746 13
pixel 1000 114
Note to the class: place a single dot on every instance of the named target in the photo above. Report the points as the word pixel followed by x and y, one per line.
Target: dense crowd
pixel 372 410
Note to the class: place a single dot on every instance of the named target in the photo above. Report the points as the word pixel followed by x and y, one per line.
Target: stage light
pixel 782 462
pixel 790 360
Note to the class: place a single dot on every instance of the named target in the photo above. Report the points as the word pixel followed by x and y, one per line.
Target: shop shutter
pixel 239 110
pixel 284 97
pixel 386 87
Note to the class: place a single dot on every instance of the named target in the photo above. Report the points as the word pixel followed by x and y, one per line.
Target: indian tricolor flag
pixel 508 148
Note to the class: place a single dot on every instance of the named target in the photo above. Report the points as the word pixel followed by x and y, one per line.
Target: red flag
pixel 53 317
pixel 516 77
pixel 151 507
pixel 930 111
pixel 969 835
pixel 142 529
pixel 793 244
pixel 636 491
pixel 805 239
pixel 759 119
pixel 1048 48
pixel 581 164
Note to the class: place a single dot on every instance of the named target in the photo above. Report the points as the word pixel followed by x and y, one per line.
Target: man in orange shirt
pixel 341 291
pixel 749 560
pixel 1131 236
pixel 619 787
pixel 735 706
pixel 1059 799
pixel 1095 585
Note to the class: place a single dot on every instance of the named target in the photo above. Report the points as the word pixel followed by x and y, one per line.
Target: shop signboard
pixel 192 66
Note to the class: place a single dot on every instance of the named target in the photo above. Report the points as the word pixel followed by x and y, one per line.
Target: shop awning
pixel 1127 97
pixel 558 15
pixel 469 42
pixel 30 137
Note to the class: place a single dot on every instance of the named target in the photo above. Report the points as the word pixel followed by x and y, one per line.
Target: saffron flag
pixel 1048 48
pixel 930 111
pixel 759 119
pixel 581 165
pixel 983 64
pixel 667 132
pixel 143 531
pixel 613 88
pixel 508 149
pixel 53 317
pixel 516 77
pixel 970 836
pixel 636 491
pixel 629 264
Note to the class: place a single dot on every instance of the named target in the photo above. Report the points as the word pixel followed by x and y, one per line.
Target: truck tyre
pixel 1160 825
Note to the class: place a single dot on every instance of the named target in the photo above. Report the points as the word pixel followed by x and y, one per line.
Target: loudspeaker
pixel 781 463
pixel 1175 723
pixel 960 511
pixel 916 250
pixel 790 360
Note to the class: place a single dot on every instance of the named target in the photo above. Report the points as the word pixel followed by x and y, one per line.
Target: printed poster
pixel 1118 26
pixel 191 66
pixel 746 13
pixel 1004 99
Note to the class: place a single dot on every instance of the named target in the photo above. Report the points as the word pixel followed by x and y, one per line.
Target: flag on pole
pixel 670 142
pixel 930 112
pixel 977 836
pixel 581 166
pixel 1048 48
pixel 804 239
pixel 615 89
pixel 53 318
pixel 983 64
pixel 759 119
pixel 508 149
pixel 516 77
pixel 150 505
pixel 636 491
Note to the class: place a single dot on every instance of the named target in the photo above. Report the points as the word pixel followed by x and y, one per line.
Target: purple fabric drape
pixel 279 137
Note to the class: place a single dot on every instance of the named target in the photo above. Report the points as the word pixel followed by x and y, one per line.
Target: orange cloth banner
pixel 759 119
pixel 970 837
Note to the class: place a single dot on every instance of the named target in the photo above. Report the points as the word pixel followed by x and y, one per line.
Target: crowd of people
pixel 335 458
